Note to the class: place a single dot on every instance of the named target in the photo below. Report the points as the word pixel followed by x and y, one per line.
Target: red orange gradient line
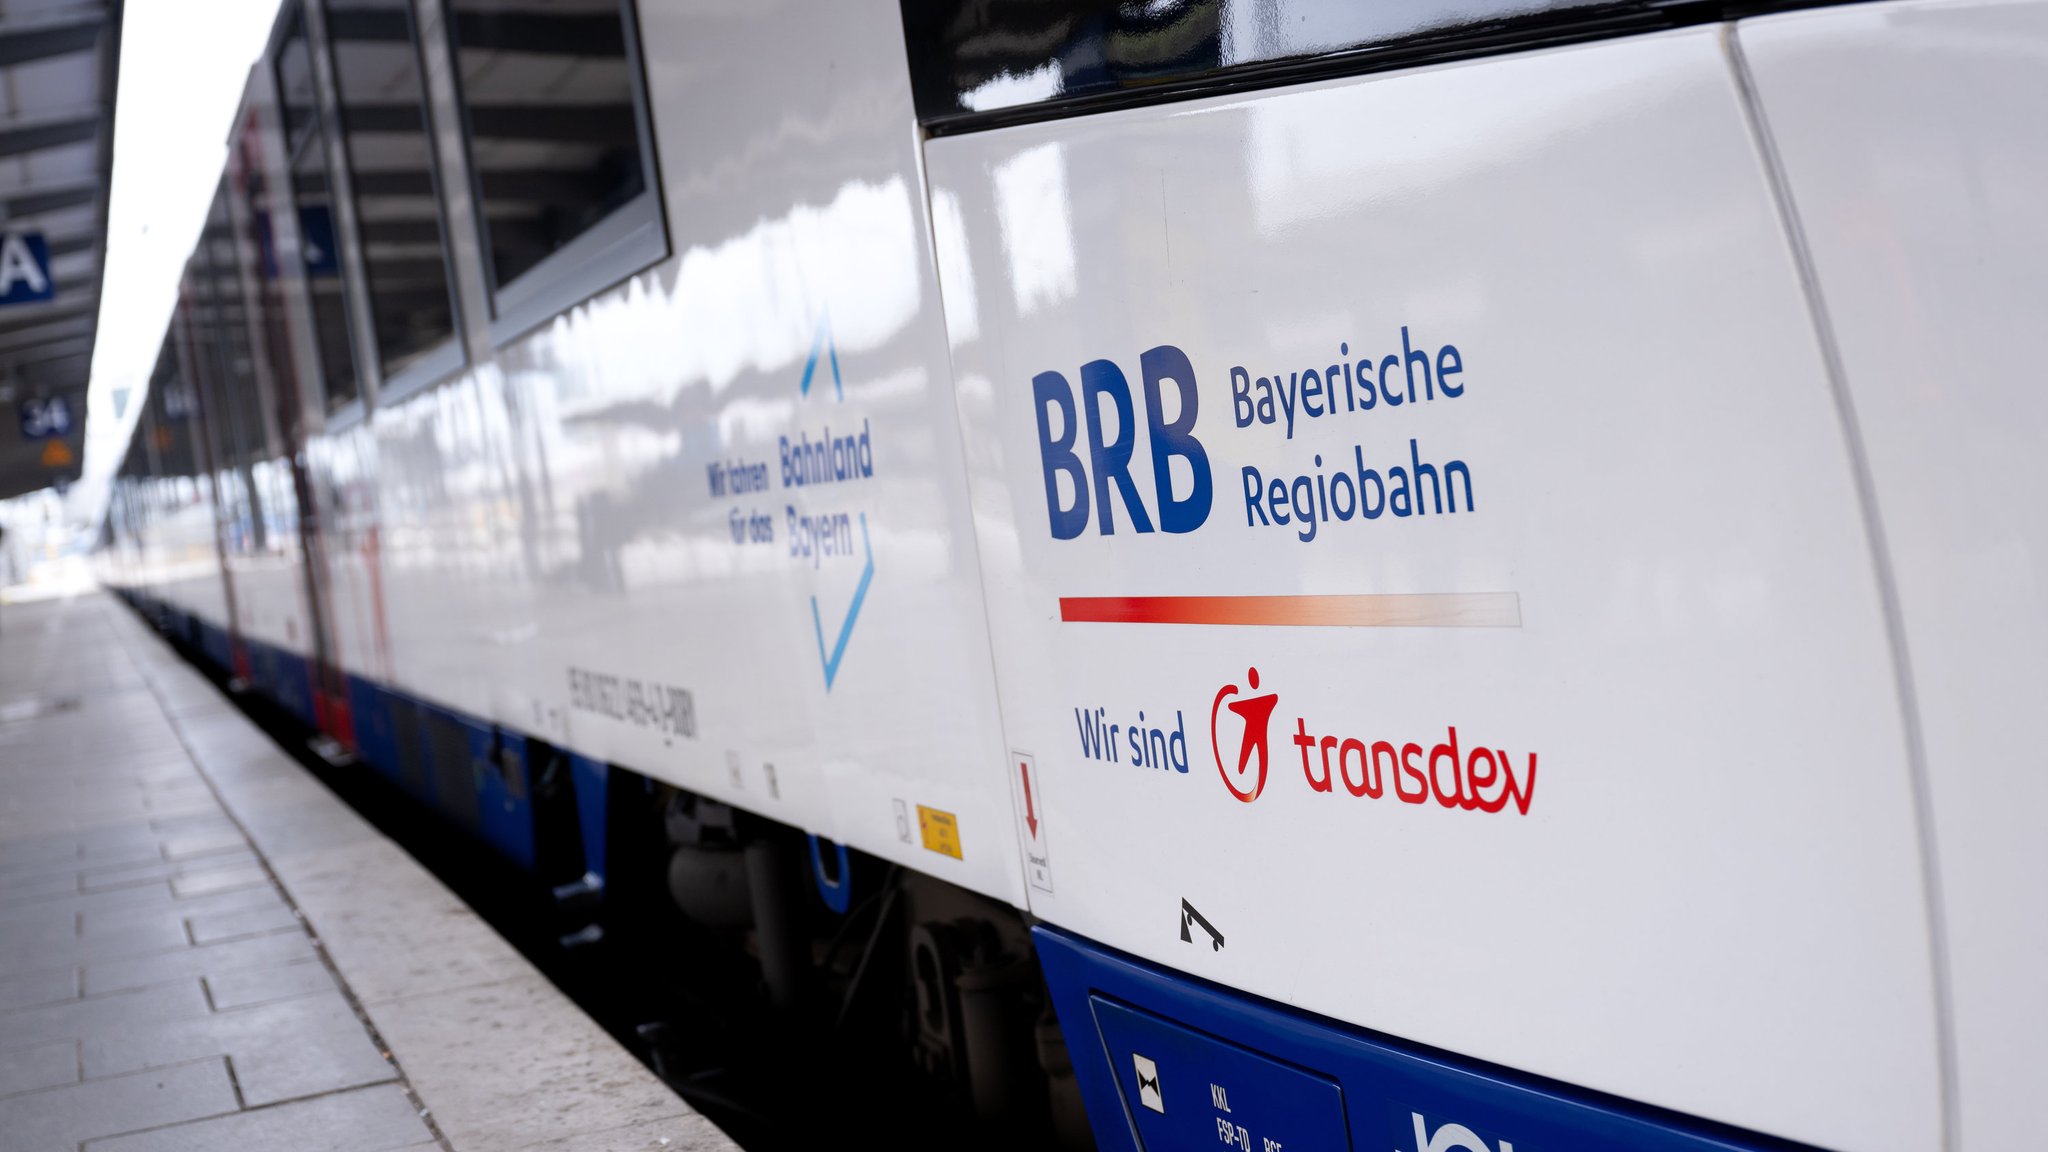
pixel 1392 610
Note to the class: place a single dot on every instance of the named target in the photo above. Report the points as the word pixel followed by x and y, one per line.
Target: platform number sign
pixel 45 418
pixel 25 269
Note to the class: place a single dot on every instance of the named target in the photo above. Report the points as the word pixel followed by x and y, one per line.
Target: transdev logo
pixel 1255 714
pixel 1458 773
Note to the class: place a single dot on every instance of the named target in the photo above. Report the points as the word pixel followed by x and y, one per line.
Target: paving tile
pixel 186 963
pixel 61 1118
pixel 62 858
pixel 157 769
pixel 39 1066
pixel 179 788
pixel 392 928
pixel 244 764
pixel 27 857
pixel 130 940
pixel 245 986
pixel 203 844
pixel 194 803
pixel 281 1051
pixel 304 824
pixel 152 894
pixel 107 908
pixel 688 1133
pixel 44 986
pixel 247 922
pixel 211 880
pixel 78 1019
pixel 499 1071
pixel 118 851
pixel 191 825
pixel 56 920
pixel 76 817
pixel 116 839
pixel 99 913
pixel 135 853
pixel 38 886
pixel 230 745
pixel 180 808
pixel 167 783
pixel 137 914
pixel 159 869
pixel 378 1119
pixel 232 900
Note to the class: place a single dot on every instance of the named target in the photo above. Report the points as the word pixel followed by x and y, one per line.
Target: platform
pixel 201 947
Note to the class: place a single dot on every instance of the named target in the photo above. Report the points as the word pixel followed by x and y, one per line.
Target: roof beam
pixel 51 134
pixel 34 315
pixel 565 123
pixel 36 201
pixel 25 338
pixel 27 44
pixel 539 185
pixel 534 33
pixel 46 375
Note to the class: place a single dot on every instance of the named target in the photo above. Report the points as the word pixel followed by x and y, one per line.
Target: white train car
pixel 1459 576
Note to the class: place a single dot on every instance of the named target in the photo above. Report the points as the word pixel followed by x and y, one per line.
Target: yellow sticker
pixel 57 454
pixel 941 831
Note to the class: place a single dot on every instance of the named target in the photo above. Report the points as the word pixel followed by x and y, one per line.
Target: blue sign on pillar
pixel 316 241
pixel 25 269
pixel 44 417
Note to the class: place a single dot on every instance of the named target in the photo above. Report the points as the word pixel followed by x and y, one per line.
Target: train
pixel 809 465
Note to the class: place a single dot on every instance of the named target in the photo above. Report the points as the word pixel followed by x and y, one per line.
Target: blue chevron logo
pixel 860 593
pixel 823 342
pixel 822 345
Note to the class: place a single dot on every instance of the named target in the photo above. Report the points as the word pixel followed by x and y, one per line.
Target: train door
pixel 279 382
pixel 1912 147
pixel 1427 575
pixel 204 411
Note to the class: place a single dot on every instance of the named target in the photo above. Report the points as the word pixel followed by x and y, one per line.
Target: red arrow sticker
pixel 1030 805
pixel 1030 809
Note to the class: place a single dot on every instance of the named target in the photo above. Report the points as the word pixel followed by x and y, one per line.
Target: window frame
pixel 450 355
pixel 629 240
pixel 333 416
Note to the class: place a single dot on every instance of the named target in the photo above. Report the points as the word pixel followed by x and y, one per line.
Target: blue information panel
pixel 1187 1092
pixel 44 417
pixel 317 248
pixel 1167 1063
pixel 25 269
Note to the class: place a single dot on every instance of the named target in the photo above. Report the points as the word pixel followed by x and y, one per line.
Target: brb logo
pixel 1108 455
pixel 1256 712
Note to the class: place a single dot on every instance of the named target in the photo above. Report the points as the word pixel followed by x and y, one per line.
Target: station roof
pixel 58 61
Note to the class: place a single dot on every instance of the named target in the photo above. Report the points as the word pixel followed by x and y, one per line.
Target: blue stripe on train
pixel 477 775
pixel 215 646
pixel 1167 1060
pixel 592 780
pixel 369 708
pixel 285 677
pixel 504 798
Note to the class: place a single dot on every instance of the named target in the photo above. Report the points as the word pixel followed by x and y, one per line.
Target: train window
pixel 253 234
pixel 224 268
pixel 558 147
pixel 994 62
pixel 213 316
pixel 295 80
pixel 391 170
pixel 319 253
